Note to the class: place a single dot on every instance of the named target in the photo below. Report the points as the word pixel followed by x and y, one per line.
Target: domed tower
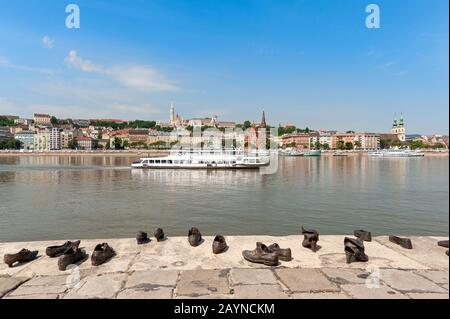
pixel 401 129
pixel 398 128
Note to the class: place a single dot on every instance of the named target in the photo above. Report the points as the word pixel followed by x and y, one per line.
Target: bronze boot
pixel 354 250
pixel 159 234
pixel 311 237
pixel 194 237
pixel 219 244
pixel 22 256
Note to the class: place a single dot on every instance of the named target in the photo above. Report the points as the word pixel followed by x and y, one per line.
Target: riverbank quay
pixel 150 153
pixel 173 269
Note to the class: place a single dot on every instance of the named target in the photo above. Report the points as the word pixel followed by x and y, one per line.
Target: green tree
pixel 117 143
pixel 341 145
pixel 358 144
pixel 317 145
pixel 4 121
pixel 247 124
pixel 125 144
pixel 348 145
pixel 53 120
pixel 73 144
pixel 326 146
pixel 11 144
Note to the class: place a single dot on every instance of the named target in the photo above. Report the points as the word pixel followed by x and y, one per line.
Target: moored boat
pixel 395 153
pixel 312 153
pixel 204 159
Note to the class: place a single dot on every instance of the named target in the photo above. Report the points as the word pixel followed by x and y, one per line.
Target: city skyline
pixel 314 64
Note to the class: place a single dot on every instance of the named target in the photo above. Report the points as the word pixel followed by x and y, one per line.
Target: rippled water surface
pixel 59 197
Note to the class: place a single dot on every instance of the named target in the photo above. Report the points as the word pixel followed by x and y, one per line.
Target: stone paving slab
pixel 427 296
pixel 342 276
pixel 203 282
pixel 323 295
pixel 259 292
pixel 407 281
pixel 10 283
pixel 152 279
pixel 155 293
pixel 437 276
pixel 252 276
pixel 363 292
pixel 25 290
pixel 104 286
pixel 305 280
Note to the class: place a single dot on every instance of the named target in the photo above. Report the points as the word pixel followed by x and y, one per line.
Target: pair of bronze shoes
pixel 310 239
pixel 354 250
pixel 267 255
pixel 194 237
pixel 23 256
pixel 69 253
pixel 142 237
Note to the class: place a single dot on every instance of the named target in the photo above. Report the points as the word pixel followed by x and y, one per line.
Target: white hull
pixel 203 160
pixel 395 154
pixel 198 166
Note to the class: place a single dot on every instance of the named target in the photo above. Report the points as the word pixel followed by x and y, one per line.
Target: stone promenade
pixel 173 269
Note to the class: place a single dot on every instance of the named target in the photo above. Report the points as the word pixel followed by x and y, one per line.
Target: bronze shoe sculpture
pixel 142 238
pixel 71 256
pixel 443 243
pixel 22 256
pixel 354 250
pixel 403 242
pixel 261 255
pixel 363 235
pixel 284 254
pixel 194 237
pixel 311 237
pixel 56 251
pixel 102 253
pixel 219 244
pixel 159 234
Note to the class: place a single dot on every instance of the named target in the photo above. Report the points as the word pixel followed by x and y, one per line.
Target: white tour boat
pixel 204 159
pixel 395 153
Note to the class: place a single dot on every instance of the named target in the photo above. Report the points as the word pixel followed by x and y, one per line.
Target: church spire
pixel 263 119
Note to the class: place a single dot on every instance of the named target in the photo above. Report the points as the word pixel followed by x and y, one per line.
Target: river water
pixel 70 197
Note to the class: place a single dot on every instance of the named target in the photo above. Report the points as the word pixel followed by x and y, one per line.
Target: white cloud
pixel 84 65
pixel 140 77
pixel 48 42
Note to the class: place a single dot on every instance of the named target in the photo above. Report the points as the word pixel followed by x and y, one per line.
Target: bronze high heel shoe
pixel 354 250
pixel 22 256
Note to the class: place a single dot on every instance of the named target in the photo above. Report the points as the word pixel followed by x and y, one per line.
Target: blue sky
pixel 311 62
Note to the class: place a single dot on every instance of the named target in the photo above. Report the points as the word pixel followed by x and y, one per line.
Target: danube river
pixel 70 197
